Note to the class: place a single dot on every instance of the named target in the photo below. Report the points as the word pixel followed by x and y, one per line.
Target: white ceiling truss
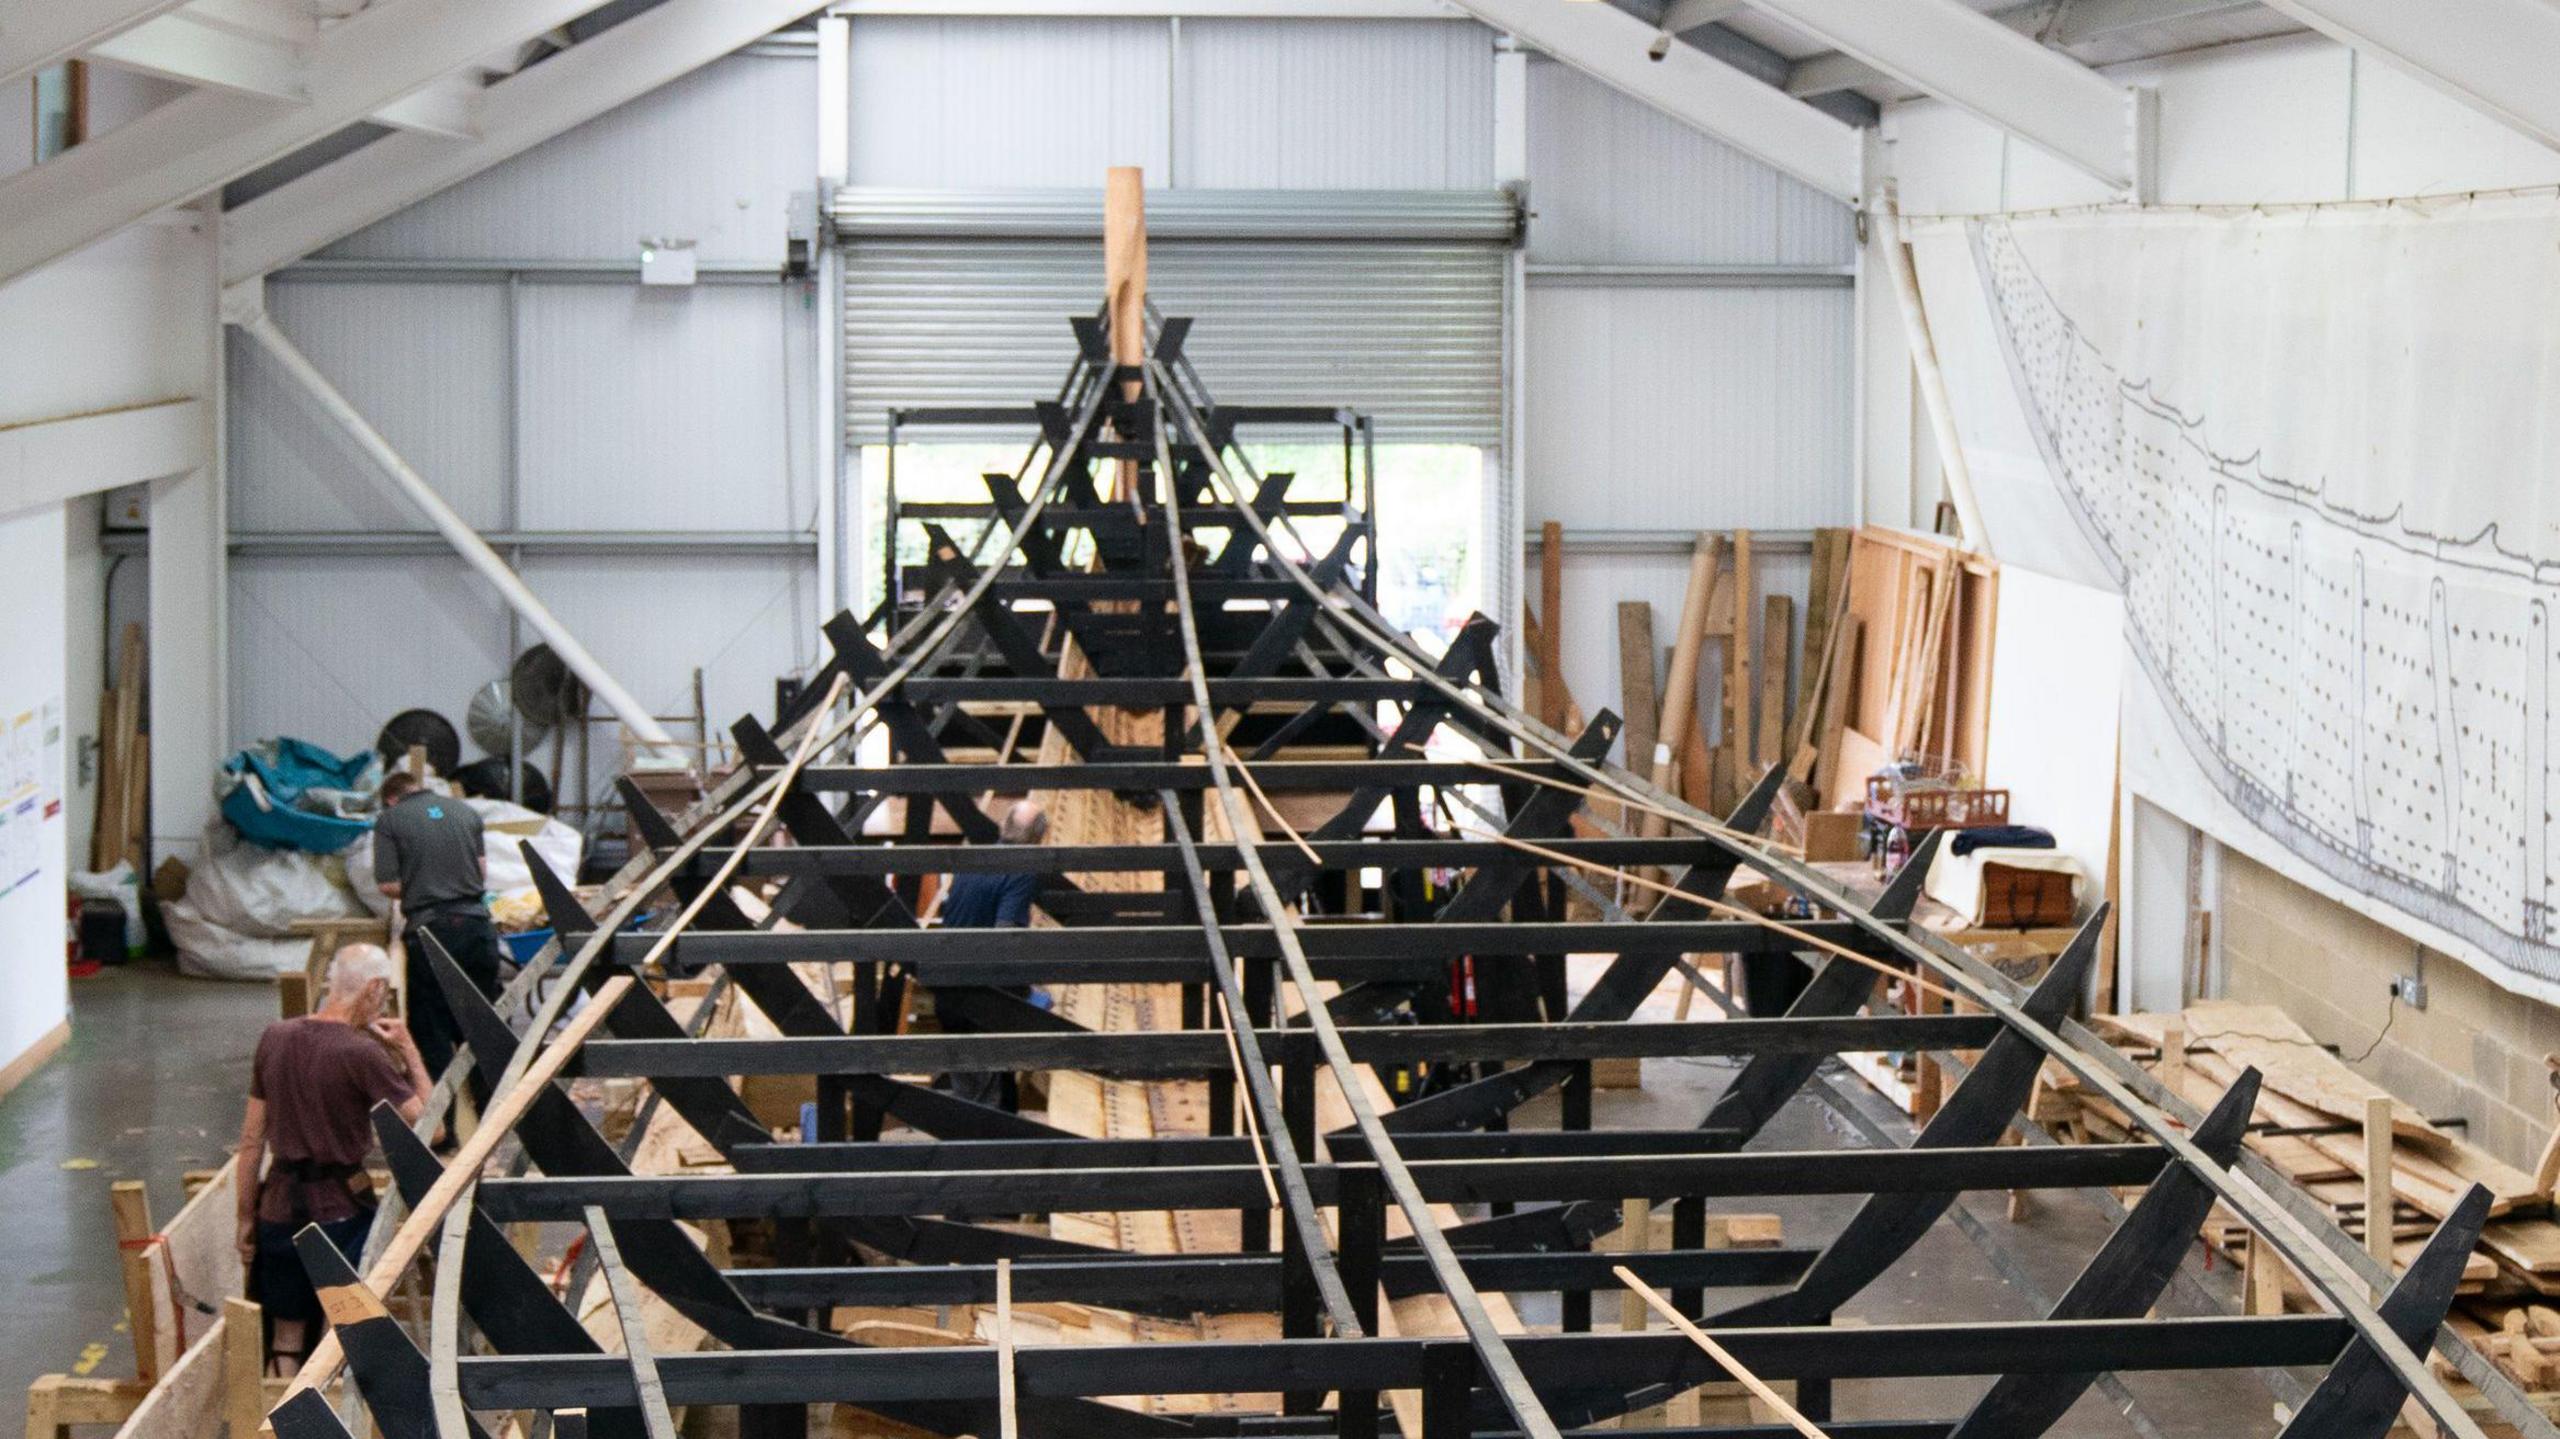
pixel 270 77
pixel 2500 57
pixel 1988 70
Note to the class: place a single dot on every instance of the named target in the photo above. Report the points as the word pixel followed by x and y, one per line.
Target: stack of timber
pixel 1908 667
pixel 124 763
pixel 1727 628
pixel 1895 660
pixel 2325 1127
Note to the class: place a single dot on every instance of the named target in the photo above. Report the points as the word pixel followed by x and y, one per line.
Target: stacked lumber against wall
pixel 124 762
pixel 2314 1123
pixel 1895 660
pixel 1920 681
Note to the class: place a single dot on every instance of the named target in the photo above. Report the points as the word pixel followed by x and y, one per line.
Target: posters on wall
pixel 2306 450
pixel 30 753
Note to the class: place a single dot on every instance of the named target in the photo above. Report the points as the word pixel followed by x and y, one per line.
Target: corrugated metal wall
pixel 1679 408
pixel 657 409
pixel 1323 105
pixel 601 408
pixel 1688 359
pixel 975 103
pixel 542 402
pixel 714 157
pixel 425 361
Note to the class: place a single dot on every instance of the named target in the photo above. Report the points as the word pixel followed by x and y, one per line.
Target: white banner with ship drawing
pixel 2318 452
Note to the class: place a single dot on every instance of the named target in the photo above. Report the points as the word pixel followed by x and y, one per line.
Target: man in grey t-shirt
pixel 427 854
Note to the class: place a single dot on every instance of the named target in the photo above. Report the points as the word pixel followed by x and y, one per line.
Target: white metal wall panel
pixel 1667 408
pixel 660 409
pixel 714 158
pixel 328 649
pixel 2413 139
pixel 1335 104
pixel 425 363
pixel 972 102
pixel 1615 181
pixel 744 620
pixel 1410 332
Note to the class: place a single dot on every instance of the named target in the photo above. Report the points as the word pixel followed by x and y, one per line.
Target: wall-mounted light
pixel 666 262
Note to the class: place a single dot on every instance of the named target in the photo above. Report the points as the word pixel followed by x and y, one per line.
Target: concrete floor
pixel 152 1082
pixel 149 1087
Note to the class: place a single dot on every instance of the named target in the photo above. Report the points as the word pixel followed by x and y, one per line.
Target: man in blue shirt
pixel 996 901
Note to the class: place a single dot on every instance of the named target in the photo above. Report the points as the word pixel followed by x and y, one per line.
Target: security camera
pixel 1660 47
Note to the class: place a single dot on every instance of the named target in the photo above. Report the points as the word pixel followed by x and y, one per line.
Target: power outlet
pixel 2410 990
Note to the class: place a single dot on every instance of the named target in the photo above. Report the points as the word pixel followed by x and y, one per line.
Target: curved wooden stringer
pixel 561 1141
pixel 509 1303
pixel 709 1105
pixel 389 1370
pixel 2360 1398
pixel 1759 1090
pixel 1614 996
pixel 1887 1225
pixel 774 988
pixel 2125 1277
pixel 1839 987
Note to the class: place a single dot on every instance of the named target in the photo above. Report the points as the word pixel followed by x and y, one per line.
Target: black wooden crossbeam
pixel 1441 1181
pixel 1142 692
pixel 1171 1151
pixel 886 859
pixel 1350 939
pixel 1198 1052
pixel 1240 1283
pixel 1881 1351
pixel 1276 776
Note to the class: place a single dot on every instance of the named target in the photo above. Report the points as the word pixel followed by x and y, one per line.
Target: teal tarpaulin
pixel 287 793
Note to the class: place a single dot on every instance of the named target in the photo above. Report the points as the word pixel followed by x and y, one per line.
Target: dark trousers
pixel 472 941
pixel 282 1286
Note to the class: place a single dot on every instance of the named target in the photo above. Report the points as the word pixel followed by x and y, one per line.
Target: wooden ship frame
pixel 1382 1213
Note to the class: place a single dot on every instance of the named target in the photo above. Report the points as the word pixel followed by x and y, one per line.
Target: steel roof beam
pixel 1612 47
pixel 567 90
pixel 2496 56
pixel 38 33
pixel 197 142
pixel 1986 69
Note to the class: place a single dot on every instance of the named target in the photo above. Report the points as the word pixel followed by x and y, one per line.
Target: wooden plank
pixel 1820 757
pixel 1551 624
pixel 1777 632
pixel 244 1367
pixel 187 1402
pixel 1741 658
pixel 1680 699
pixel 150 1311
pixel 1855 756
pixel 56 1401
pixel 2378 1203
pixel 1636 683
pixel 1696 769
